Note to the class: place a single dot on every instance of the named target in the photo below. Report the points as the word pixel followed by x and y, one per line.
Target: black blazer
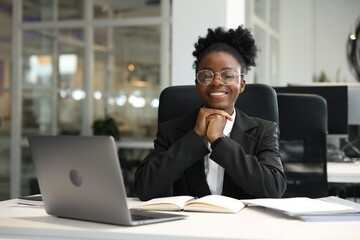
pixel 250 157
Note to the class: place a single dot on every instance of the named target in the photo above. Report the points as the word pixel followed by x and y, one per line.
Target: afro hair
pixel 238 42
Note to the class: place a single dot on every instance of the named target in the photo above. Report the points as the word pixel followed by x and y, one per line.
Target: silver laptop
pixel 80 178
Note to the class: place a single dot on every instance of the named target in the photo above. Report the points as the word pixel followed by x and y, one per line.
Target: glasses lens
pixel 205 76
pixel 229 76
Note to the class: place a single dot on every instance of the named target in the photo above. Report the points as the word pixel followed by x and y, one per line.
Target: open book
pixel 210 203
pixel 321 209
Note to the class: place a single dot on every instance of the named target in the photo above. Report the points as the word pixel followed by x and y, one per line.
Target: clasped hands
pixel 211 122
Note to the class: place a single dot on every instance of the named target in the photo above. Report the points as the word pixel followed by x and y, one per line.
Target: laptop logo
pixel 75 178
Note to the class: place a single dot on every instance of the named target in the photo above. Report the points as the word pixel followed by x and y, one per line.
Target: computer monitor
pixel 354 105
pixel 351 146
pixel 337 103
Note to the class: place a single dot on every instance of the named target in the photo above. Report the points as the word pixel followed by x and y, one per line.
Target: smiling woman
pixel 217 92
pixel 216 149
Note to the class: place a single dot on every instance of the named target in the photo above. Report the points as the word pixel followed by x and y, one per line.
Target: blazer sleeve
pixel 173 153
pixel 260 174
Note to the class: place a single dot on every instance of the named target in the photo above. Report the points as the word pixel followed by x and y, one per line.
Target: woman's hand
pixel 215 127
pixel 210 123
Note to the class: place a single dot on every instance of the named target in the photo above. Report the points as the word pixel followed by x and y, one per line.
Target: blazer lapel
pixel 195 174
pixel 244 131
pixel 187 123
pixel 197 180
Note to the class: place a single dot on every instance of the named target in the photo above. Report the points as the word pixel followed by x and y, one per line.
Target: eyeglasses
pixel 228 77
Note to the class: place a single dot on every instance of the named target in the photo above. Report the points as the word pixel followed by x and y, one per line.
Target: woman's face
pixel 217 94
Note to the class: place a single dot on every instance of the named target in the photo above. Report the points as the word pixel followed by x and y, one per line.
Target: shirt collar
pixel 229 124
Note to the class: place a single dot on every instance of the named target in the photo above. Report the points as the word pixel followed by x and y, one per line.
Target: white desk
pixel 337 172
pixel 251 223
pixel 343 172
pixel 141 144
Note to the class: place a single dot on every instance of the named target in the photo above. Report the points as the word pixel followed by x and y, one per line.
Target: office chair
pixel 303 129
pixel 257 100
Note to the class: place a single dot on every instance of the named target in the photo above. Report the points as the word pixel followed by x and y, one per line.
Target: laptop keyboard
pixel 138 217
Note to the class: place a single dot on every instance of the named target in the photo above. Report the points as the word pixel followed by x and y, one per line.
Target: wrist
pixel 213 138
pixel 216 142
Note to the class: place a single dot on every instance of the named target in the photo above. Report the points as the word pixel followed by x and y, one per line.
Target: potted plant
pixel 107 126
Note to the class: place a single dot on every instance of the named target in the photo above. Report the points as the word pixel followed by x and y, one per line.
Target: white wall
pixel 296 49
pixel 334 19
pixel 191 19
pixel 314 36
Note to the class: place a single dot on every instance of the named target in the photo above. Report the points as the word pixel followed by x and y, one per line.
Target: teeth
pixel 217 93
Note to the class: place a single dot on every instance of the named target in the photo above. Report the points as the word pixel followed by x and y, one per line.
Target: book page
pixel 215 203
pixel 175 203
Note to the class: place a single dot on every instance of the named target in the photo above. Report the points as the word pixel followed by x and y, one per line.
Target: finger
pixel 220 113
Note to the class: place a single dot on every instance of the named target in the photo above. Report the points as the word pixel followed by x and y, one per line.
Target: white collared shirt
pixel 213 171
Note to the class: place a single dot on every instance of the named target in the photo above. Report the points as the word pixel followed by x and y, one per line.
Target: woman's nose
pixel 217 79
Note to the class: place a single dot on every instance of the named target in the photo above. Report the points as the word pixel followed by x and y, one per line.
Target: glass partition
pixel 110 9
pixel 5 98
pixel 260 37
pixel 127 78
pixel 71 73
pixel 53 82
pixel 42 11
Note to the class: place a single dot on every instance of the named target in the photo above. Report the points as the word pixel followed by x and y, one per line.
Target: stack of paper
pixel 320 209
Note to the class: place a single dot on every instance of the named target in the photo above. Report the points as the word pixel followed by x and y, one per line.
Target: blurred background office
pixel 66 64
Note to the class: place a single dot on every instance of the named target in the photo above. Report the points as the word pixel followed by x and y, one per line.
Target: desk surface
pixel 18 222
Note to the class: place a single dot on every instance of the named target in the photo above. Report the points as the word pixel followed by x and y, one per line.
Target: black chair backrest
pixel 257 100
pixel 308 111
pixel 303 130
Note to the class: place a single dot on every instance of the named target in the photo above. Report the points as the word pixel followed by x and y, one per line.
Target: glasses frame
pixel 215 73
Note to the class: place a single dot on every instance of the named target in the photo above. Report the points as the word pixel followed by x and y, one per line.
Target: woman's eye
pixel 229 76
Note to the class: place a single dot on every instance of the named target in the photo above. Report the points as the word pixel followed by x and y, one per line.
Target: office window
pixel 71 73
pixel 260 9
pixel 5 69
pixel 52 83
pixel 70 9
pixel 42 11
pixel 260 36
pixel 274 61
pixel 266 25
pixel 274 14
pixel 127 78
pixel 5 98
pixel 110 9
pixel 70 94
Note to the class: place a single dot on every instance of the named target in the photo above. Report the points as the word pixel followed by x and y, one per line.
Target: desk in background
pixel 343 172
pixel 337 172
pixel 131 153
pixel 142 144
pixel 17 222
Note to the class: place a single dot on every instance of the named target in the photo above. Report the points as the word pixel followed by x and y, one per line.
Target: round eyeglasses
pixel 228 77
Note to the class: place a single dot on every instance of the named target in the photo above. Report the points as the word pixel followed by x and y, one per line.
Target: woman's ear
pixel 242 85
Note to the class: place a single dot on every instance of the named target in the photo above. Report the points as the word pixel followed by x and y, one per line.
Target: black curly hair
pixel 238 42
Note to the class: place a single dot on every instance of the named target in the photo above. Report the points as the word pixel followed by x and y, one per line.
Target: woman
pixel 217 149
